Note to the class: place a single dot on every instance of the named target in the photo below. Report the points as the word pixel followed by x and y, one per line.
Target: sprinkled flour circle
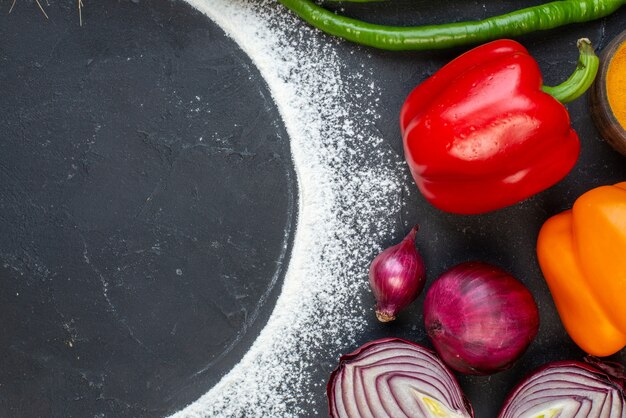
pixel 348 184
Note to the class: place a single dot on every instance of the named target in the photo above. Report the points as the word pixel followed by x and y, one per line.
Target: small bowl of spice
pixel 608 94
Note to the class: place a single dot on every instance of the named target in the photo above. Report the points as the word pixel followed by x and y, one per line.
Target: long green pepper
pixel 531 19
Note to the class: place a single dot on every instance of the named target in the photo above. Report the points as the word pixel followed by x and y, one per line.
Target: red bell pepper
pixel 483 133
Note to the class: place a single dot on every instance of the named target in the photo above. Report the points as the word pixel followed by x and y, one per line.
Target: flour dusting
pixel 348 185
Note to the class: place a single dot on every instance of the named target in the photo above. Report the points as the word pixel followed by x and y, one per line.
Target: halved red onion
pixel 394 378
pixel 569 389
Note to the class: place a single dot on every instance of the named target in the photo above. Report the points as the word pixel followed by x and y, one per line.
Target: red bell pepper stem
pixel 581 79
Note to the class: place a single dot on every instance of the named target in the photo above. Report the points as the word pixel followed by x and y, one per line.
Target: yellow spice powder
pixel 616 84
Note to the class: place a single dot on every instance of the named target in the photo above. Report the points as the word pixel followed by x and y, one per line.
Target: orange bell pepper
pixel 582 253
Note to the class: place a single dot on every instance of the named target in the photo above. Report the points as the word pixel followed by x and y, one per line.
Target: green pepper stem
pixel 582 77
pixel 531 19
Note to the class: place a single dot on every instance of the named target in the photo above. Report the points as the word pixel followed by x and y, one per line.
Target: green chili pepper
pixel 542 17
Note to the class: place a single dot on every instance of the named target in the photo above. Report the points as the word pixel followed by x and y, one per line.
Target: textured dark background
pixel 143 232
pixel 147 200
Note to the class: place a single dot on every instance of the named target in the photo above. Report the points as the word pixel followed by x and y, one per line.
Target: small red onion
pixel 569 389
pixel 394 378
pixel 397 276
pixel 479 318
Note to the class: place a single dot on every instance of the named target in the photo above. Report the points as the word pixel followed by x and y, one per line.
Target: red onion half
pixel 479 318
pixel 397 277
pixel 568 389
pixel 394 378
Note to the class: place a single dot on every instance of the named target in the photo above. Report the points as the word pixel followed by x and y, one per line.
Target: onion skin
pixel 479 318
pixel 394 378
pixel 569 389
pixel 397 277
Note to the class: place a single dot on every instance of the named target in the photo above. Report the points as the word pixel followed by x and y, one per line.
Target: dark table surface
pixel 143 234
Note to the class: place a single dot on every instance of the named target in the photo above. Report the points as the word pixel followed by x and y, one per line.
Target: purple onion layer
pixel 394 378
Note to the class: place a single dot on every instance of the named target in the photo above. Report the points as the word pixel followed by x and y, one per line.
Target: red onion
pixel 397 277
pixel 479 318
pixel 569 389
pixel 394 378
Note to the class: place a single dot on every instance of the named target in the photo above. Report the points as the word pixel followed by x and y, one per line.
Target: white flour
pixel 349 187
